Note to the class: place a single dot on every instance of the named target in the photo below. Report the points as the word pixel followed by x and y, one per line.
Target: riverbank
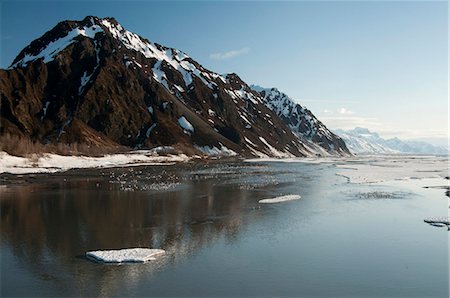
pixel 51 163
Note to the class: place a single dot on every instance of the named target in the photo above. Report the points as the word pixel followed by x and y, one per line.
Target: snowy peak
pixel 93 80
pixel 300 120
pixel 278 101
pixel 363 141
pixel 67 33
pixel 56 40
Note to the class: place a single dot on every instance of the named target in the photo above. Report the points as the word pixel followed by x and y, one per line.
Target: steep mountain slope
pixel 301 121
pixel 362 141
pixel 96 83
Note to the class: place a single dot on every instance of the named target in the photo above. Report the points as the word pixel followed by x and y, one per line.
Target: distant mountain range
pixel 362 141
pixel 94 82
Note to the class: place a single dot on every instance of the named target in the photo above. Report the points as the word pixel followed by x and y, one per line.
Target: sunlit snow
pixel 280 199
pixel 54 47
pixel 129 255
pixel 186 125
pixel 215 151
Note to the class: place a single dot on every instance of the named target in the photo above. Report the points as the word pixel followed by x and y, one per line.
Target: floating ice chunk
pixel 185 124
pixel 438 221
pixel 128 255
pixel 280 199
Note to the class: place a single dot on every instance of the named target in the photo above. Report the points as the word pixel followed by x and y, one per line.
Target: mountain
pixel 301 121
pixel 94 82
pixel 362 141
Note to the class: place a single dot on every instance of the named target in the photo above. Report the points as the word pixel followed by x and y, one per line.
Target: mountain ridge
pixel 94 82
pixel 363 141
pixel 300 120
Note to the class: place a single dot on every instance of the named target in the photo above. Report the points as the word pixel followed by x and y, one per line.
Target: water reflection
pixel 357 239
pixel 50 225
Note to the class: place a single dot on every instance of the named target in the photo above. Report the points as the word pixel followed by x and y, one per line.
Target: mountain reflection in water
pixel 51 224
pixel 339 239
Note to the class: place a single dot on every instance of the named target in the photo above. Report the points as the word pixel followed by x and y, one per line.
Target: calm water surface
pixel 340 239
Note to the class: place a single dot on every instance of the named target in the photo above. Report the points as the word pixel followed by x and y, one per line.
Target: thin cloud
pixel 229 54
pixel 350 122
pixel 341 111
pixel 344 111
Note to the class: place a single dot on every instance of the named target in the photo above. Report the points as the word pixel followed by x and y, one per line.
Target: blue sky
pixel 380 65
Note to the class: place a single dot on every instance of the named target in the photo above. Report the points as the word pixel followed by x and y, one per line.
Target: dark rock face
pixel 96 83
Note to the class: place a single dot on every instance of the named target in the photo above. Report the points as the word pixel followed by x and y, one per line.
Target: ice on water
pixel 128 255
pixel 438 221
pixel 280 199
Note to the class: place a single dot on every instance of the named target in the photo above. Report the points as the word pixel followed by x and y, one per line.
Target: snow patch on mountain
pixel 215 151
pixel 274 151
pixel 49 52
pixel 175 58
pixel 160 76
pixel 186 125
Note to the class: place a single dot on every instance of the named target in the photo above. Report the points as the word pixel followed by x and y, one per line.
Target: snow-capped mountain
pixel 362 141
pixel 300 120
pixel 94 82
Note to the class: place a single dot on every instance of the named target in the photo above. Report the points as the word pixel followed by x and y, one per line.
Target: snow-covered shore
pixel 51 163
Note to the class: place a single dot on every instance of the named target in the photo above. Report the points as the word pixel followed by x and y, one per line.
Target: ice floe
pixel 438 221
pixel 373 169
pixel 128 255
pixel 280 199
